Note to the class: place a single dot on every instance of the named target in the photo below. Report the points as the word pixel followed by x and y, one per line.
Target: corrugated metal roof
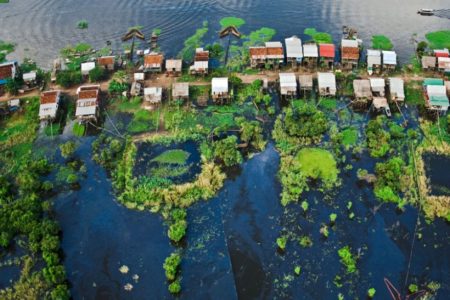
pixel 436 90
pixel 373 60
pixel 441 52
pixel 87 66
pixel 274 45
pixel 396 87
pixel 180 89
pixel 372 52
pixel 305 80
pixel 361 88
pixel 327 50
pixel 288 80
pixel 219 85
pixel 380 102
pixel 326 80
pixel 29 76
pixel 174 64
pixel 439 100
pixel 444 62
pixel 293 47
pixel 377 83
pixel 389 57
pixel 153 91
pixel 86 107
pixel 428 61
pixel 310 50
pixel 48 110
pixel 349 43
pixel 433 81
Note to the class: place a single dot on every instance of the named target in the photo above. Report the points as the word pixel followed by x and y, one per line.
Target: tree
pixel 69 78
pixel 421 48
pixel 12 86
pixel 171 265
pixel 97 74
pixel 116 87
pixel 68 149
pixel 61 292
pixel 177 230
pixel 132 34
pixel 226 151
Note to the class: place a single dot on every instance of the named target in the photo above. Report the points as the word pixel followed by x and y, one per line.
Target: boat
pixel 426 12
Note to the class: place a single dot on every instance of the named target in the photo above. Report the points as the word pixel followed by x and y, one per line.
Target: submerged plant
pixel 305 241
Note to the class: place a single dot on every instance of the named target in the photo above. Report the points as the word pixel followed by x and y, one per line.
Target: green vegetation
pixel 371 292
pixel 193 42
pixel 281 242
pixel 69 78
pixel 439 39
pixel 381 42
pixel 226 151
pixel 318 163
pixel 176 156
pixel 305 241
pixel 297 270
pixel 68 149
pixel 5 49
pixel 378 138
pixel 82 24
pixel 413 288
pixel 318 37
pixel 97 74
pixel 171 265
pixel 347 259
pixel 79 129
pixel 349 136
pixel 414 93
pixel 333 217
pixel 328 103
pixel 143 121
pixel 231 21
pixel 258 37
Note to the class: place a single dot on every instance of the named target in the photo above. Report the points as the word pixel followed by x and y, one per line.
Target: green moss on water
pixel 78 129
pixel 318 37
pixel 231 21
pixel 318 163
pixel 349 136
pixel 381 42
pixel 414 93
pixel 131 105
pixel 52 129
pixel 143 120
pixel 439 39
pixel 328 103
pixel 175 156
pixel 193 42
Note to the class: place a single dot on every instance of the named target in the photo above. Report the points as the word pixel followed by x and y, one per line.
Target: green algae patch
pixel 231 21
pixel 143 120
pixel 381 42
pixel 176 156
pixel 318 163
pixel 319 37
pixel 349 136
pixel 259 36
pixel 439 39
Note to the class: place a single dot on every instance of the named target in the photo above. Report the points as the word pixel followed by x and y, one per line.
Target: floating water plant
pixel 439 39
pixel 176 156
pixel 231 21
pixel 297 270
pixel 318 37
pixel 347 259
pixel 333 217
pixel 305 205
pixel 281 242
pixel 82 24
pixel 381 42
pixel 371 292
pixel 305 241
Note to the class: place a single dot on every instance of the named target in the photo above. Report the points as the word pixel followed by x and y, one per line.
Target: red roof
pixel 441 54
pixel 350 53
pixel 49 97
pixel 326 50
pixel 153 59
pixel 105 60
pixel 6 71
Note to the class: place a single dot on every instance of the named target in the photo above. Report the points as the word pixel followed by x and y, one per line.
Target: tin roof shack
pixel 173 67
pixel 87 67
pixel 327 84
pixel 275 54
pixel 180 91
pixel 201 62
pixel 373 61
pixel 327 53
pixel 380 104
pixel 29 78
pixel 361 88
pixel 258 56
pixel 294 50
pixel 88 103
pixel 378 87
pixel 106 62
pixel 429 63
pixel 396 89
pixel 349 54
pixel 306 82
pixel 153 62
pixel 389 60
pixel 310 55
pixel 288 85
pixel 219 89
pixel 436 98
pixel 8 70
pixel 49 103
pixel 152 96
pixel 444 64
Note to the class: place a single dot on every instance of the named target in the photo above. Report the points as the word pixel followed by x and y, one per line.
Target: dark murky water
pixel 437 168
pixel 41 28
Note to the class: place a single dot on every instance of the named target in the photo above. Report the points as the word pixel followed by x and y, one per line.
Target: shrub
pixel 115 87
pixel 171 265
pixel 347 259
pixel 371 293
pixel 305 241
pixel 97 74
pixel 69 78
pixel 177 230
pixel 175 287
pixel 333 217
pixel 281 242
pixel 68 149
pixel 82 24
pixel 226 151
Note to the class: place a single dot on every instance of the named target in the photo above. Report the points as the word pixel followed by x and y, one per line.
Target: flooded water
pixel 41 28
pixel 437 169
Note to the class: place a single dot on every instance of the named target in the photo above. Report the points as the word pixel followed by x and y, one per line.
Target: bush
pixel 226 150
pixel 371 293
pixel 97 74
pixel 12 86
pixel 177 230
pixel 281 242
pixel 115 87
pixel 175 287
pixel 171 265
pixel 68 149
pixel 347 259
pixel 82 24
pixel 69 78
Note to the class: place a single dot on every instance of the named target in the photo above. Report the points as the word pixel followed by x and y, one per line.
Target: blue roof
pixel 2 81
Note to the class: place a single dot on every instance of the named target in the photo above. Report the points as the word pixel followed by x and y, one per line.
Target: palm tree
pixel 133 32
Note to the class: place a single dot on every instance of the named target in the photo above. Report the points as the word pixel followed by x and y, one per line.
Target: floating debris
pixel 128 287
pixel 135 277
pixel 124 269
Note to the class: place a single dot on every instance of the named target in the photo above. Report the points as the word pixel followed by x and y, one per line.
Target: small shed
pixel 378 86
pixel 29 77
pixel 389 60
pixel 139 76
pixel 153 62
pixel 173 67
pixel 429 62
pixel 327 84
pixel 180 91
pixel 87 67
pixel 373 61
pixel 219 89
pixel 361 88
pixel 396 89
pixel 87 106
pixel 48 105
pixel 258 56
pixel 437 98
pixel 310 55
pixel 306 82
pixel 294 50
pixel 444 64
pixel 275 53
pixel 152 95
pixel 106 62
pixel 288 84
pixel 349 53
pixel 327 53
